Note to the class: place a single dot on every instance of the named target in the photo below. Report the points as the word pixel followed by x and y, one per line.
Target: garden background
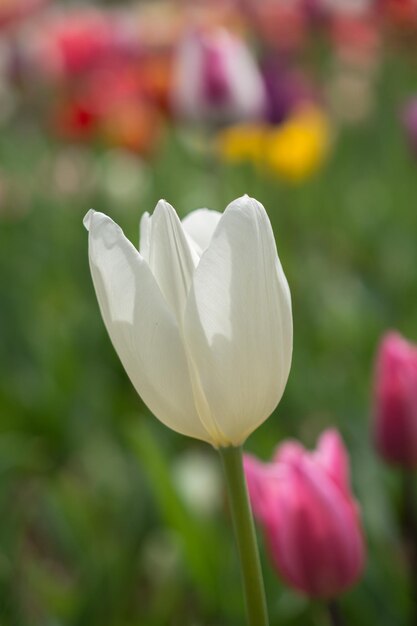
pixel 107 517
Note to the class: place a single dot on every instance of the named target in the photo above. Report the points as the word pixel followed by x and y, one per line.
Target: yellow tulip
pixel 298 148
pixel 294 150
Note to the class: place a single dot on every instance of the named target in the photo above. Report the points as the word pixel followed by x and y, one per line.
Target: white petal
pixel 171 258
pixel 187 78
pixel 145 235
pixel 200 226
pixel 143 331
pixel 238 323
pixel 246 83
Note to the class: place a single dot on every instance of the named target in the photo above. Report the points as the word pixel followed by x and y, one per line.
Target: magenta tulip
pixel 309 516
pixel 395 410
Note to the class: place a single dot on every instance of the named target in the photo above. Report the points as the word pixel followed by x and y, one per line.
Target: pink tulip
pixel 395 411
pixel 409 123
pixel 309 516
pixel 70 43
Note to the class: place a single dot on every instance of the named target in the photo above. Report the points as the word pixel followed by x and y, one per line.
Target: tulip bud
pixel 309 516
pixel 200 317
pixel 395 411
pixel 216 79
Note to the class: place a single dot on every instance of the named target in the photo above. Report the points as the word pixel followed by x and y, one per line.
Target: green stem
pixel 409 532
pixel 245 536
pixel 335 614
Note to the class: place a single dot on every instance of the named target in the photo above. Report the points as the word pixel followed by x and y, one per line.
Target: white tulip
pixel 200 317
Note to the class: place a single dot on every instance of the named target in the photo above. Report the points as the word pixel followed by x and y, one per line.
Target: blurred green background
pixel 107 517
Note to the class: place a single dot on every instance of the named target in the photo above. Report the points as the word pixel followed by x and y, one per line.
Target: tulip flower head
pixel 73 43
pixel 216 79
pixel 298 147
pixel 395 411
pixel 287 91
pixel 310 518
pixel 200 316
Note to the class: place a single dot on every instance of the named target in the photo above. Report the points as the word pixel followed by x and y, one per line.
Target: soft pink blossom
pixel 69 43
pixel 395 401
pixel 309 515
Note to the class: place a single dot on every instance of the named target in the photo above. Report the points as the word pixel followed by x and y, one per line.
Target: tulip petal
pixel 238 323
pixel 200 226
pixel 289 452
pixel 315 538
pixel 246 84
pixel 171 257
pixel 143 331
pixel 263 480
pixel 395 402
pixel 145 235
pixel 332 456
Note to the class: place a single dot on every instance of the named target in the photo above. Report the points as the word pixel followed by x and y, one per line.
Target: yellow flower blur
pixel 294 150
pixel 243 142
pixel 299 147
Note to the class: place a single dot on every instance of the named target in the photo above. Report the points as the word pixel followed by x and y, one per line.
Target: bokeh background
pixel 107 518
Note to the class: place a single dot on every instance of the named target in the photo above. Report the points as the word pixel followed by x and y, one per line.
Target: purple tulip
pixel 286 90
pixel 216 79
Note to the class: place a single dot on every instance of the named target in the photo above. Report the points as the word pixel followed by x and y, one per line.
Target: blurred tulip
pixel 76 41
pixel 111 105
pixel 286 91
pixel 356 40
pixel 74 119
pixel 281 24
pixel 132 124
pixel 293 150
pixel 155 74
pixel 298 148
pixel 216 79
pixel 310 518
pixel 409 118
pixel 395 410
pixel 243 142
pixel 399 13
pixel 200 317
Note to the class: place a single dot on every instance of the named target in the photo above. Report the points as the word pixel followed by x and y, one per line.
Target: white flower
pixel 200 317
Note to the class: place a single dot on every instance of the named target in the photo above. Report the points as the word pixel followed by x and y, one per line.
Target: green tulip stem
pixel 335 614
pixel 409 533
pixel 245 536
